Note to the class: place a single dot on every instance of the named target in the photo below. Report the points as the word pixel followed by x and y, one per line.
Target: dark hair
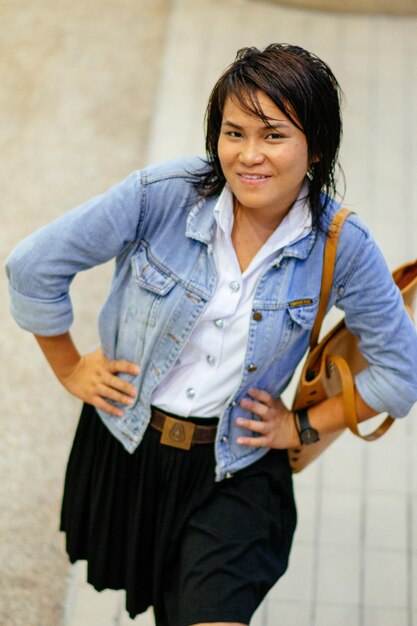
pixel 305 89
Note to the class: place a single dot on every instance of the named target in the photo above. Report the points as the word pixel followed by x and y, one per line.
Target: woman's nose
pixel 251 154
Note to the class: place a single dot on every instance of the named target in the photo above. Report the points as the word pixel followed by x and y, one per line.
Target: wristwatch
pixel 306 432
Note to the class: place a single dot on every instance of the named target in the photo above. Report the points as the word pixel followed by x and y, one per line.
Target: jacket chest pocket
pixel 300 316
pixel 152 284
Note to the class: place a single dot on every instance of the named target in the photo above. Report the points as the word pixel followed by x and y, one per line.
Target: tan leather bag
pixel 333 362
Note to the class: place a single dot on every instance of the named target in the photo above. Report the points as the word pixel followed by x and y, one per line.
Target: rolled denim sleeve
pixel 41 268
pixel 375 313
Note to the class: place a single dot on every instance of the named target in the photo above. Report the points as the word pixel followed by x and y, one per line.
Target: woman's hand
pixel 93 378
pixel 276 428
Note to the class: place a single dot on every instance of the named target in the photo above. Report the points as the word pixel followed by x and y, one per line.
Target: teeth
pixel 252 176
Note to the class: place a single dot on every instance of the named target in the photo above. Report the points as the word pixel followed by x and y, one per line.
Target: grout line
pixel 362 536
pixel 264 612
pixel 316 543
pixel 409 130
pixel 119 610
pixel 409 524
pixel 164 68
pixel 373 94
pixel 72 593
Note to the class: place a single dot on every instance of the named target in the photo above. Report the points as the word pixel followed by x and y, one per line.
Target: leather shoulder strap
pixel 329 260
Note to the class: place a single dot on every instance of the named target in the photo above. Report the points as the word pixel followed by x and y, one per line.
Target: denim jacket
pixel 160 235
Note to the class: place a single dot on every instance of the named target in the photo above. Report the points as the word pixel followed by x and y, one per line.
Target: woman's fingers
pixel 254 407
pixel 261 395
pixel 124 367
pixel 110 393
pixel 275 427
pixel 96 380
pixel 115 382
pixel 253 425
pixel 254 442
pixel 100 403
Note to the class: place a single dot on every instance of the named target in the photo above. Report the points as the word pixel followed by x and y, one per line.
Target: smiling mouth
pixel 253 176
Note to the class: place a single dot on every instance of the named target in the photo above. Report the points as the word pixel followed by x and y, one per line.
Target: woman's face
pixel 265 166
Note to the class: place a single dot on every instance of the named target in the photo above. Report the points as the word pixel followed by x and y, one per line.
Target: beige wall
pixel 387 7
pixel 77 95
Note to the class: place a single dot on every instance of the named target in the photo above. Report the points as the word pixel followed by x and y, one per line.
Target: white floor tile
pixel 386 617
pixel 144 619
pixel 259 618
pixel 331 615
pixel 343 463
pixel 386 521
pixel 340 517
pixel 306 523
pixel 385 579
pixel 102 608
pixel 308 477
pixel 338 574
pixel 387 466
pixel 413 575
pixel 297 582
pixel 288 614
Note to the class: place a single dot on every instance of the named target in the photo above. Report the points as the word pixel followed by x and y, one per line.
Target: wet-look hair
pixel 304 88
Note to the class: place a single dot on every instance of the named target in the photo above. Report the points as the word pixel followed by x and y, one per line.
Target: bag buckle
pixel 177 433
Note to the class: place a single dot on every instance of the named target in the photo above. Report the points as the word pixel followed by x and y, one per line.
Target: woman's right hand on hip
pixel 94 378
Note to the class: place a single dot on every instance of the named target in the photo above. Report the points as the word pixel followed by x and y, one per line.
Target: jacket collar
pixel 201 222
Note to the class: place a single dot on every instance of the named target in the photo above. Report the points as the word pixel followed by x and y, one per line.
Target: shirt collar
pixel 295 225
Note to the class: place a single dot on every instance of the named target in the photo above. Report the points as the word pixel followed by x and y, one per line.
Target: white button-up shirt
pixel 209 368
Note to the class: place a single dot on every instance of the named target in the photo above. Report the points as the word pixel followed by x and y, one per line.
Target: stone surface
pixel 382 7
pixel 77 93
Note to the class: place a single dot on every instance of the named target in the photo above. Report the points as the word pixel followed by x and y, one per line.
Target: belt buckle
pixel 177 433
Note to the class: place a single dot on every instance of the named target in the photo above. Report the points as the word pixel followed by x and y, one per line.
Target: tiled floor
pixel 354 560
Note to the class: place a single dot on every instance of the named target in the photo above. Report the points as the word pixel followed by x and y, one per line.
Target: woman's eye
pixel 274 136
pixel 234 133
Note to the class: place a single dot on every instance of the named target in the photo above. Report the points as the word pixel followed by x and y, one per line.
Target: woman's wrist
pixel 61 354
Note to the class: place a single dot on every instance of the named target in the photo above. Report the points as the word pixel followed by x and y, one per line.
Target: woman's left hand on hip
pixel 276 427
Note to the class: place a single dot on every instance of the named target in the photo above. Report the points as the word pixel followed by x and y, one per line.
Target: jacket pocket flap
pixel 303 312
pixel 149 276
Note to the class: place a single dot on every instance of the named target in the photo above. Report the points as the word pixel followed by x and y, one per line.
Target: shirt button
pixel 252 367
pixel 190 393
pixel 224 439
pixel 257 316
pixel 210 359
pixel 228 475
pixel 219 323
pixel 234 285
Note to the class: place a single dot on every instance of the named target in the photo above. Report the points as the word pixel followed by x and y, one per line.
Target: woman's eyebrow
pixel 277 124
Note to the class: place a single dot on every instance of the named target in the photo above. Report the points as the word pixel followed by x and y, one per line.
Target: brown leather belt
pixel 181 433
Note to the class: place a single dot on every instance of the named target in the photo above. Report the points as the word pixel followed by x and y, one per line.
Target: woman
pixel 179 490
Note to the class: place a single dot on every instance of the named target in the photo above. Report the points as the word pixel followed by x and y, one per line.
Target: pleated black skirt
pixel 157 525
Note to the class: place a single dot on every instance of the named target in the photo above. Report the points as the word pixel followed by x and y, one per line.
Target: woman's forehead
pixel 257 106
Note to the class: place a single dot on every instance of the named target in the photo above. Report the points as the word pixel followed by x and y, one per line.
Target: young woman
pixel 178 486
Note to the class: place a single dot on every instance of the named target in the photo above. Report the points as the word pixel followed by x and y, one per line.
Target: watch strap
pixel 302 424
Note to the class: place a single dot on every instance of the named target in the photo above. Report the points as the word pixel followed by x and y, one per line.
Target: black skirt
pixel 156 524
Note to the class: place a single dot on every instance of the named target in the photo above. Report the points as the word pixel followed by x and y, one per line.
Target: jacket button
pixel 257 316
pixel 224 439
pixel 219 323
pixel 228 475
pixel 190 393
pixel 252 367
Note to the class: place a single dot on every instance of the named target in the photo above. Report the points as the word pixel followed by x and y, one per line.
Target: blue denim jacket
pixel 161 235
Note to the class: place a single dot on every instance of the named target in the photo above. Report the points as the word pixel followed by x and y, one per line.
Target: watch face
pixel 309 435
